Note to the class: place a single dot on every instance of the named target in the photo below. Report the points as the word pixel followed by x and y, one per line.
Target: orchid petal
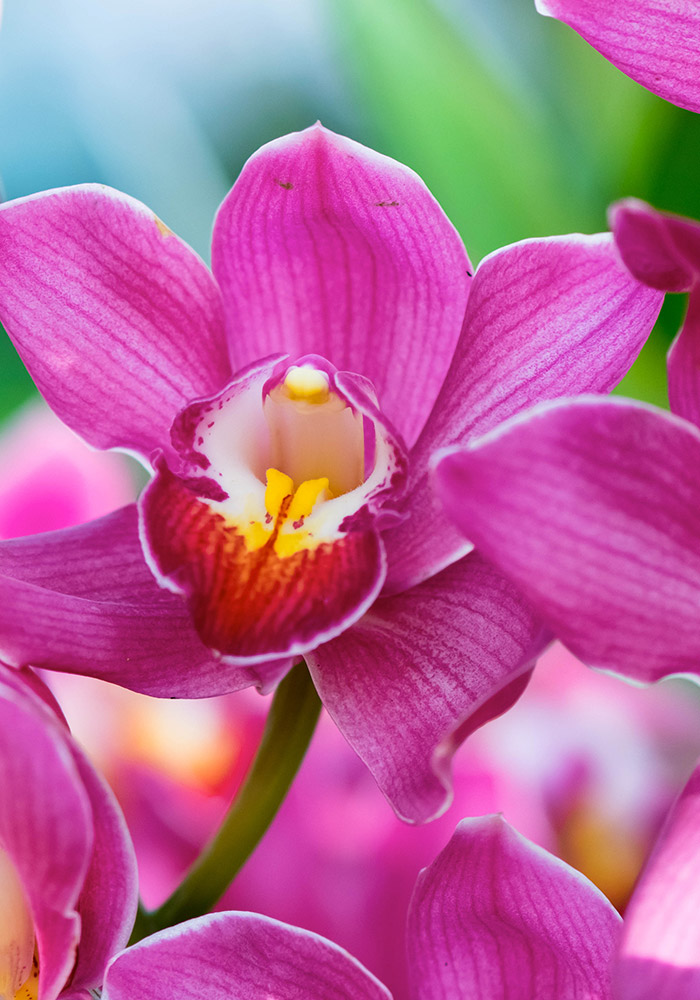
pixel 109 896
pixel 664 251
pixel 117 320
pixel 655 44
pixel 660 947
pixel 684 365
pixel 324 246
pixel 404 683
pixel 494 916
pixel 546 318
pixel 659 249
pixel 83 600
pixel 592 507
pixel 242 956
pixel 45 827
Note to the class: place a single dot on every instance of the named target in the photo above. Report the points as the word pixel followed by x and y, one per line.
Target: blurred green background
pixel 518 127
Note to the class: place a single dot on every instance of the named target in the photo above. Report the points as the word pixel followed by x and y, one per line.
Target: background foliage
pixel 519 127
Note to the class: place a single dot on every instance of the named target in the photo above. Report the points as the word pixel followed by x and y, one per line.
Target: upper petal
pixel 496 917
pixel 660 948
pixel 118 321
pixel 324 246
pixel 654 43
pixel 421 670
pixel 546 318
pixel 241 955
pixel 83 600
pixel 592 507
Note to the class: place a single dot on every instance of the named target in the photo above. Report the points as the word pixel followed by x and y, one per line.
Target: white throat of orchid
pixel 314 434
pixel 18 967
pixel 308 449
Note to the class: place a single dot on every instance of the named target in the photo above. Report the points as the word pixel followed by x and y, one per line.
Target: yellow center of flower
pixel 287 509
pixel 316 453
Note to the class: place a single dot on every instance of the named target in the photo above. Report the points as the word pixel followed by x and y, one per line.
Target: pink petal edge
pixel 655 44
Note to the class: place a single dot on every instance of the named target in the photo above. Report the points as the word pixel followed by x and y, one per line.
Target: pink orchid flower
pixel 657 44
pixel 600 522
pixel 67 868
pixel 493 917
pixel 291 511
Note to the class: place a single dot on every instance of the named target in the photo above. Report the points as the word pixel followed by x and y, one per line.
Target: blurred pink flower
pixel 493 916
pixel 583 765
pixel 51 479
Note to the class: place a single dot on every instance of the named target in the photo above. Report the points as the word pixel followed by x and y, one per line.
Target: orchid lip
pixel 269 524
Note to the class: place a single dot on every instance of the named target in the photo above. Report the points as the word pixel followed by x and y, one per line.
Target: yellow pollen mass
pixel 286 509
pixel 305 497
pixel 279 487
pixel 308 384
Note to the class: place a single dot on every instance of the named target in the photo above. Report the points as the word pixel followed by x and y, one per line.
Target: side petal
pixel 405 684
pixel 495 916
pixel 592 507
pixel 83 600
pixel 546 318
pixel 659 249
pixel 118 321
pixel 664 251
pixel 660 949
pixel 45 827
pixel 655 44
pixel 239 955
pixel 109 895
pixel 326 247
pixel 684 364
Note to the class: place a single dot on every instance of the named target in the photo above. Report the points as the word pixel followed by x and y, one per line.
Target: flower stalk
pixel 290 725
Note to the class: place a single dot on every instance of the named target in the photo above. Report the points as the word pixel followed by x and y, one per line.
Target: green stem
pixel 293 715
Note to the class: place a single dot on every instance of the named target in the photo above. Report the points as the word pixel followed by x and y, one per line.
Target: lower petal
pixel 406 682
pixel 660 948
pixel 495 916
pixel 241 955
